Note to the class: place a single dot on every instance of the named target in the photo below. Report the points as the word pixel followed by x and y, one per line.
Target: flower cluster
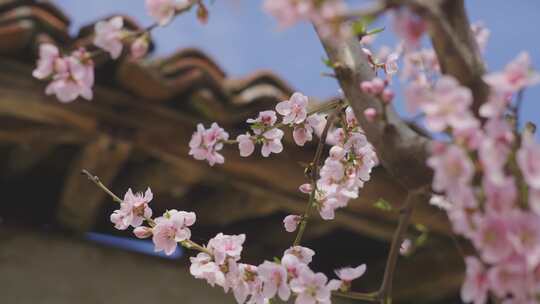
pixel 205 144
pixel 166 231
pixel 409 27
pixel 346 169
pixel 71 76
pixel 218 263
pixel 110 36
pixel 379 88
pixel 133 210
pixel 325 14
pixel 163 11
pixel 264 132
pixel 289 276
pixel 489 176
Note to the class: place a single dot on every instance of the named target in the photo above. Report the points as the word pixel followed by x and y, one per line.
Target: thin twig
pixel 385 291
pixel 516 109
pixel 98 183
pixel 372 297
pixel 314 175
pixel 319 109
pixel 189 244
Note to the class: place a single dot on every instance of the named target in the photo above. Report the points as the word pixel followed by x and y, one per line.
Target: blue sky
pixel 242 39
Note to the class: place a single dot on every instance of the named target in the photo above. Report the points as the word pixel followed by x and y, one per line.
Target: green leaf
pixel 327 62
pixel 421 228
pixel 383 205
pixel 277 260
pixel 375 31
pixel 421 240
pixel 358 28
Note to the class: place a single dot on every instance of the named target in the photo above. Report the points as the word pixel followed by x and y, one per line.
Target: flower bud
pixel 370 114
pixel 142 232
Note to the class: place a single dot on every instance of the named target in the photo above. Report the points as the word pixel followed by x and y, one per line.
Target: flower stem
pixel 385 291
pixel 314 174
pixel 98 183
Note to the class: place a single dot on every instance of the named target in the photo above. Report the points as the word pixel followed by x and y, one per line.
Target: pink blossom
pixel 272 142
pixel 517 75
pixel 133 210
pixel 304 254
pixel 449 106
pixel 349 274
pixel 49 61
pixel 310 287
pixel 337 153
pixel 475 287
pixel 405 247
pixel 509 277
pixel 525 235
pixel 205 144
pixel 287 12
pixel 501 196
pixel 264 120
pixel 416 95
pixel 306 188
pixel 356 143
pixel 323 14
pixel 247 282
pixel 534 200
pixel 370 114
pixel 108 36
pixel 226 246
pixel 245 144
pixel 481 35
pixel 367 87
pixel 409 27
pixel 172 228
pixel 163 11
pixel 291 222
pixel 495 148
pixel 139 47
pixel 387 96
pixel 202 267
pixel 528 158
pixel 142 232
pixel 496 105
pixel 74 77
pixel 293 265
pixel 303 133
pixel 294 110
pixel 440 202
pixel 377 85
pixel 420 66
pixel 452 168
pixel 470 137
pixel 492 237
pixel 274 277
pixel 391 65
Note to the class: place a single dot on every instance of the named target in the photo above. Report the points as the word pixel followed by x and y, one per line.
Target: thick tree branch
pixel 455 45
pixel 401 150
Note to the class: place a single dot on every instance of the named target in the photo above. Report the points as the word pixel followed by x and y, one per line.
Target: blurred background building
pixel 56 242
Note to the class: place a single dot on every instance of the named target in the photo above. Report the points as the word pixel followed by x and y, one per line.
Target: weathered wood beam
pixel 441 276
pixel 24 157
pixel 80 200
pixel 164 133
